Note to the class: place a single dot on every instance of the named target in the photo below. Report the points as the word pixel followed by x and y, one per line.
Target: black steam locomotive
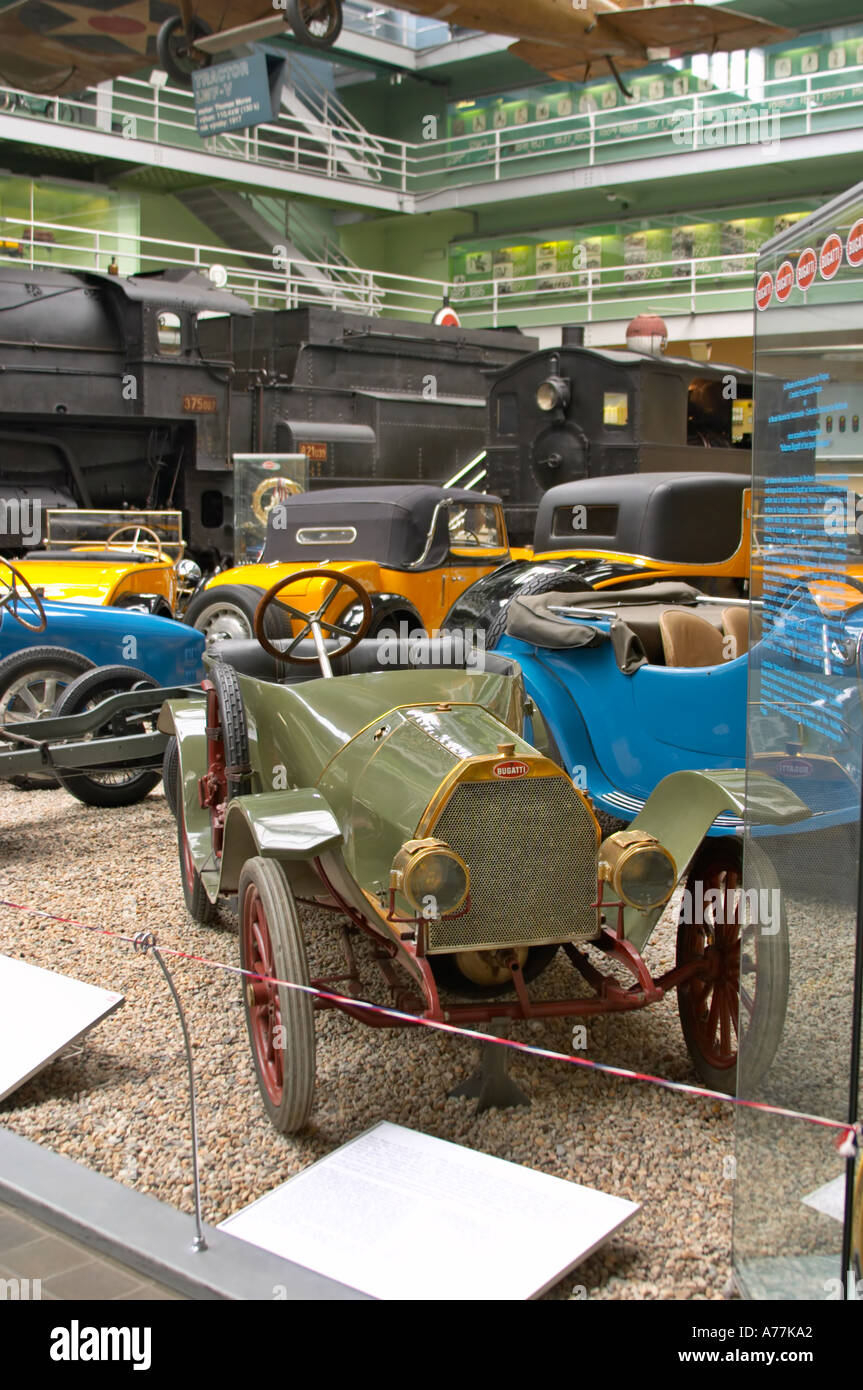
pixel 575 412
pixel 139 392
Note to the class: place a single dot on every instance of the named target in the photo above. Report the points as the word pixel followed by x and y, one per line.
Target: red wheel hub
pixel 262 996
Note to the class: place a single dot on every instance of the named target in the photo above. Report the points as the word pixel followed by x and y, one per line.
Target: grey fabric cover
pixel 531 620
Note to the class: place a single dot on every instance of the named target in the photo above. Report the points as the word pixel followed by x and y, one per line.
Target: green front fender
pixel 290 826
pixel 682 808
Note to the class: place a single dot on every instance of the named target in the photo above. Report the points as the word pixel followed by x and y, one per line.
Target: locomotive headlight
pixel 431 876
pixel 553 394
pixel 640 870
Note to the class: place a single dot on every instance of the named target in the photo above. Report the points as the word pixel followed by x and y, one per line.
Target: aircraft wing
pixel 63 46
pixel 633 37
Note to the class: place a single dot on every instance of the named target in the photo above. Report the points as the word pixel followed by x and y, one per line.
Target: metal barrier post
pixel 144 942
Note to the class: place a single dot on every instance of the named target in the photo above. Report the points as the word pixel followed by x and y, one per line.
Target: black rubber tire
pixel 235 731
pixel 771 957
pixel 538 584
pixel 239 601
pixel 449 976
pixel 170 774
pixel 198 905
pixel 287 1100
pixel 169 38
pixel 58 660
pixel 298 14
pixel 87 690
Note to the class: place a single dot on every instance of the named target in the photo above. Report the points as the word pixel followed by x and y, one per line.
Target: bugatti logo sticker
pixel 807 266
pixel 513 767
pixel 854 244
pixel 831 256
pixel 764 290
pixel 784 281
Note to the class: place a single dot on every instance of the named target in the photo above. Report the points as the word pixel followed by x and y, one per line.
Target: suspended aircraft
pixel 54 46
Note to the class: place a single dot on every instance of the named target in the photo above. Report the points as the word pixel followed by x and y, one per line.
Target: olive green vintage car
pixel 389 782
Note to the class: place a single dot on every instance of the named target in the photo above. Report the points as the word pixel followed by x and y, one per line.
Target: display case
pixel 260 481
pixel 794 1218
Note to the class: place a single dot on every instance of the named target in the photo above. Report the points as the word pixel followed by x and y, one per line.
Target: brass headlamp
pixel 640 870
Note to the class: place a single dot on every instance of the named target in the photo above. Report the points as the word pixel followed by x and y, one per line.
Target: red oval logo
pixel 784 281
pixel 807 266
pixel 854 244
pixel 513 767
pixel 764 290
pixel 831 256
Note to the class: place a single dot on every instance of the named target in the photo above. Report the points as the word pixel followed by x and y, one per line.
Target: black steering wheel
pixel 13 598
pixel 315 624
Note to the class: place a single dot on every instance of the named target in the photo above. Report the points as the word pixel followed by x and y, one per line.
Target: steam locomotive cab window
pixel 615 409
pixel 710 413
pixel 507 413
pixel 592 521
pixel 169 334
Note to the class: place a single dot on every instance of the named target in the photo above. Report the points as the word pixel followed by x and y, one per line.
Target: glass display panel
pixel 805 733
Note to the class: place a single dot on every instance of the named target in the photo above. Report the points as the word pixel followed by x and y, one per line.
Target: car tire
pixel 272 945
pixel 88 690
pixel 170 774
pixel 233 605
pixel 233 727
pixel 718 864
pixel 537 584
pixel 27 692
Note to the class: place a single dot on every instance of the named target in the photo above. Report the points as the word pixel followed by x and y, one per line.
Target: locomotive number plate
pixel 316 452
pixel 200 405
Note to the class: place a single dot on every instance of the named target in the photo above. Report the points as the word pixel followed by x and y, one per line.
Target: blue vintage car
pixel 632 685
pixel 37 664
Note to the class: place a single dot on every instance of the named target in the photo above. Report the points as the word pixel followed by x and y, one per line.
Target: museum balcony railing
pixel 588 295
pixel 409 175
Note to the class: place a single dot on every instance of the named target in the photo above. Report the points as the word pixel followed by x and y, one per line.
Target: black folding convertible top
pixel 387 524
pixel 686 518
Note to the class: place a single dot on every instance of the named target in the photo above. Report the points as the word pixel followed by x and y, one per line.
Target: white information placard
pixel 40 1014
pixel 400 1215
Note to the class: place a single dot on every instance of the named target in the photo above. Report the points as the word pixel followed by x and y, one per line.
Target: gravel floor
pixel 118 1101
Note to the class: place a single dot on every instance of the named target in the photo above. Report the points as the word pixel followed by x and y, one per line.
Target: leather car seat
pixel 735 622
pixel 690 640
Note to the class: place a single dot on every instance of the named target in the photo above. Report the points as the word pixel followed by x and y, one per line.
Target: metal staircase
pixel 344 138
pixel 260 224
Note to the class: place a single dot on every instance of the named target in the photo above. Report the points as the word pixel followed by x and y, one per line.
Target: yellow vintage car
pixel 413 548
pixel 115 559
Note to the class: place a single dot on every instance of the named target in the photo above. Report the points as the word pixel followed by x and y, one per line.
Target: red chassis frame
pixel 609 996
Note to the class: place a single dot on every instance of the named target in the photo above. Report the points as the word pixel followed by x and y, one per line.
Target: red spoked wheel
pixel 734 1006
pixel 280 1020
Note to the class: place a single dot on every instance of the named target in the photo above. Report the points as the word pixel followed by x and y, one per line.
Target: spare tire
pixel 544 583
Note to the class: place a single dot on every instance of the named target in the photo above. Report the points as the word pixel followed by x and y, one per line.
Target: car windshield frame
pixel 97 524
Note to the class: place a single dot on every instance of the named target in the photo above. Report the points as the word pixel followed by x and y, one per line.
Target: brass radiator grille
pixel 530 845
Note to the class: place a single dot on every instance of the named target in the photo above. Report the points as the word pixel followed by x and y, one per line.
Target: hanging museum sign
pixel 235 95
